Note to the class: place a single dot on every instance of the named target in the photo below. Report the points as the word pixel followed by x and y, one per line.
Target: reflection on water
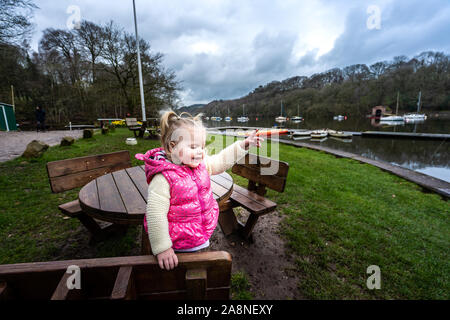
pixel 427 156
pixel 431 157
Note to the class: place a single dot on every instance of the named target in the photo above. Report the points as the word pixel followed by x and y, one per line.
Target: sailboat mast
pixel 396 110
pixel 418 102
pixel 281 109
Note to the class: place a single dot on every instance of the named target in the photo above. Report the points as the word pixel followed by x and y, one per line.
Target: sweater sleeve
pixel 158 204
pixel 225 159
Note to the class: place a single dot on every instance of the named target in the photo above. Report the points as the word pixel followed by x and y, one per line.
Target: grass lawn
pixel 340 217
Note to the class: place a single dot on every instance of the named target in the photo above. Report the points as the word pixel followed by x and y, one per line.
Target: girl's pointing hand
pixel 252 140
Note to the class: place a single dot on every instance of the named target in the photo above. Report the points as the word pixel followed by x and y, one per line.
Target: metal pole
pixel 12 98
pixel 141 86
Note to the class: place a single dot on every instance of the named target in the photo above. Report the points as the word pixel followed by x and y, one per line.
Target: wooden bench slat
pixel 141 184
pixel 68 182
pixel 71 209
pixel 263 201
pixel 131 197
pixel 71 166
pixel 62 292
pixel 256 161
pixel 124 286
pixel 109 196
pixel 137 277
pixel 273 182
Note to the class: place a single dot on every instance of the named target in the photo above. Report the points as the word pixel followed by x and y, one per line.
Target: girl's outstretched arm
pixel 226 158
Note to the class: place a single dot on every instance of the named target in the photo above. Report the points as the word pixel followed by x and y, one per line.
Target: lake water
pixel 431 157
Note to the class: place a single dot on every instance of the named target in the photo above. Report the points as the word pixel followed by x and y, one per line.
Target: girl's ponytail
pixel 166 122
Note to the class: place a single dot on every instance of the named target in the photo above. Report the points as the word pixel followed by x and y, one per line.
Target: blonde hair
pixel 170 122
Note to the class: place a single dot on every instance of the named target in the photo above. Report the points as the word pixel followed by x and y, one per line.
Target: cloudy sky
pixel 222 49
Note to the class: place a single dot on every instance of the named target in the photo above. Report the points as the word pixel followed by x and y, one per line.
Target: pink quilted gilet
pixel 193 211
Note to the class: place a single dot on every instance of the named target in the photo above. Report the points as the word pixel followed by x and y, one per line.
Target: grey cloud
pixel 407 28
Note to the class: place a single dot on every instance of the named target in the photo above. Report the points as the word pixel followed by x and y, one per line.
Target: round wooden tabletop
pixel 120 197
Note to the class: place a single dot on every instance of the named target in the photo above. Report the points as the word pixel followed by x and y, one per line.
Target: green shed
pixel 7 117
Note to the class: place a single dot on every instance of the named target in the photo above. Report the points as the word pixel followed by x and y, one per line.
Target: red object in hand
pixel 268 133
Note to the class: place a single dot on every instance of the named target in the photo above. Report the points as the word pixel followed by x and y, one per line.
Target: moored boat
pixel 319 134
pixel 339 134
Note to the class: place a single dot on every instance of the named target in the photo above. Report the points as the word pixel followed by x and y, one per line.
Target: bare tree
pixel 15 16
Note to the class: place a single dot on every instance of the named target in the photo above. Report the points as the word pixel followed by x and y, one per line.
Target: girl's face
pixel 190 149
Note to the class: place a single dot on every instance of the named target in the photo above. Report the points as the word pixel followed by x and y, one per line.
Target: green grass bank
pixel 339 217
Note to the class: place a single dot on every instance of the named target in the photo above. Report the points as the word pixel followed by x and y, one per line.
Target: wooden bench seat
pixel 71 209
pixel 76 172
pixel 255 169
pixel 251 201
pixel 201 275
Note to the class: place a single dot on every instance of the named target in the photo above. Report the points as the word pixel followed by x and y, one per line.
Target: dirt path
pixel 14 143
pixel 270 271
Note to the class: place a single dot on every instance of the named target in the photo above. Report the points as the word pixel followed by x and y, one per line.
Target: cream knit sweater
pixel 158 201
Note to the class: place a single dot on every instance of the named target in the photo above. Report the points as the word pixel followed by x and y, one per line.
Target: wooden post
pixel 12 98
pixel 145 243
pixel 249 225
pixel 196 284
pixel 227 221
pixel 63 293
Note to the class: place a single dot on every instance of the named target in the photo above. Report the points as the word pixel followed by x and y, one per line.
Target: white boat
pixel 300 138
pixel 339 134
pixel 319 134
pixel 216 118
pixel 416 115
pixel 392 118
pixel 297 117
pixel 301 133
pixel 339 117
pixel 228 119
pixel 280 118
pixel 392 123
pixel 207 118
pixel 243 118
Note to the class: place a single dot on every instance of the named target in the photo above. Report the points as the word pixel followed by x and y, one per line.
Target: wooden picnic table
pixel 120 197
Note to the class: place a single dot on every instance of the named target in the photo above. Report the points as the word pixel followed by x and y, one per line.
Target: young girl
pixel 181 210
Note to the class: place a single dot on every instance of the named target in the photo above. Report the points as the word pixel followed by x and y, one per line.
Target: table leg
pixel 246 230
pixel 145 243
pixel 228 222
pixel 109 231
pixel 98 233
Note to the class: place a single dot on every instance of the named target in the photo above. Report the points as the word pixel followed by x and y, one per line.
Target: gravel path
pixel 14 143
